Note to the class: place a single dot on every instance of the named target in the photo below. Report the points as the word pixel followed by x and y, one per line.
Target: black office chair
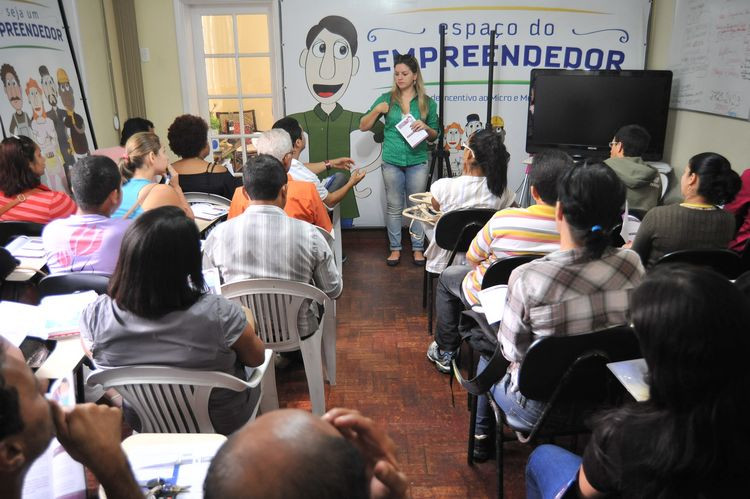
pixel 723 261
pixel 63 284
pixel 11 230
pixel 639 214
pixel 559 371
pixel 500 270
pixel 454 232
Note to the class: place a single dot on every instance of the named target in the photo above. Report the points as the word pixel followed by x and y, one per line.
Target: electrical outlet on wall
pixel 145 54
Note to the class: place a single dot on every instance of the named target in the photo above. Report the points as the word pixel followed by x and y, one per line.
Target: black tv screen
pixel 580 111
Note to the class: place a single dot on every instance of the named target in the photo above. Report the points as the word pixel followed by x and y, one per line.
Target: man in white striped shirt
pixel 264 242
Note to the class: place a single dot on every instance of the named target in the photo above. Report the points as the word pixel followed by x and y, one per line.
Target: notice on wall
pixel 43 97
pixel 338 58
pixel 710 57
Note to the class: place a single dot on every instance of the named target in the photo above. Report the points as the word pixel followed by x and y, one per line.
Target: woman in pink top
pixel 22 195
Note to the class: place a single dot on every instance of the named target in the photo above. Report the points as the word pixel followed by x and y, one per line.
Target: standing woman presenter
pixel 404 168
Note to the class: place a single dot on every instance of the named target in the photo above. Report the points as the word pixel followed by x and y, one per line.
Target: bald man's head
pixel 287 453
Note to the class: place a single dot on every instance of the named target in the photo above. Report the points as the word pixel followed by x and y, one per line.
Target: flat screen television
pixel 580 111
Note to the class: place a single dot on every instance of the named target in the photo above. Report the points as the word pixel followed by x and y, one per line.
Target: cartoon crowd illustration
pixel 60 133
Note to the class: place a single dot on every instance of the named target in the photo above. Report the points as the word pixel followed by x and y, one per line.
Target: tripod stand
pixel 439 162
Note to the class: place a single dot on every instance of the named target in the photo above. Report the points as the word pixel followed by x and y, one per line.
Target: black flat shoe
pixel 418 263
pixel 393 263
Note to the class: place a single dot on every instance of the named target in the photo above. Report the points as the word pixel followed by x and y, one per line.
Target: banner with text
pixel 335 68
pixel 43 95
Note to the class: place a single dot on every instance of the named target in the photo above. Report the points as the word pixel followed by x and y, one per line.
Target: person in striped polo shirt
pixel 22 195
pixel 510 232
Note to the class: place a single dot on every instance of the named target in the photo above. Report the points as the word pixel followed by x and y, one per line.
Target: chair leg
pixel 430 304
pixel 312 358
pixel 472 428
pixel 424 289
pixel 270 399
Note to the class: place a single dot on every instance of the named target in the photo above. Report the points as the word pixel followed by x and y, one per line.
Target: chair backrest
pixel 63 284
pixel 456 229
pixel 500 270
pixel 206 197
pixel 639 214
pixel 167 399
pixel 276 305
pixel 578 362
pixel 723 261
pixel 9 230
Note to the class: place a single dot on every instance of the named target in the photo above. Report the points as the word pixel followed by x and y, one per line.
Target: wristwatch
pixel 328 164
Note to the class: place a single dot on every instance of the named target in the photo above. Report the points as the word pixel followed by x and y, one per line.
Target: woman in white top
pixel 484 184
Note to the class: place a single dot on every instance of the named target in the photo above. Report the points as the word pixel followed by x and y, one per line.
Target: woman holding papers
pixel 157 312
pixel 690 439
pixel 410 119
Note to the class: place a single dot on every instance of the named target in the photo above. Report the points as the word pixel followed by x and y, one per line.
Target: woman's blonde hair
pixel 137 149
pixel 411 62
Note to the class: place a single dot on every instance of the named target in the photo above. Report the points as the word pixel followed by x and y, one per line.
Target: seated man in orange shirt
pixel 302 201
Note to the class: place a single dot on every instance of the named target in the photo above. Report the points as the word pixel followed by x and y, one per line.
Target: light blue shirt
pixel 130 193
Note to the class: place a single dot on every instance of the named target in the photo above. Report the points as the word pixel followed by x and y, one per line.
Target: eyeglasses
pixel 614 143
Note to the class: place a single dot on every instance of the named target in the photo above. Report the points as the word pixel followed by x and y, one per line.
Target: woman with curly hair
pixel 188 138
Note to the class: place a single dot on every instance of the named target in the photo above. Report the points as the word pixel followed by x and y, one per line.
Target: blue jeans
pixel 550 471
pixel 400 182
pixel 514 403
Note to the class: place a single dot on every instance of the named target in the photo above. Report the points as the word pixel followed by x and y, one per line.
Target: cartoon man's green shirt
pixel 328 137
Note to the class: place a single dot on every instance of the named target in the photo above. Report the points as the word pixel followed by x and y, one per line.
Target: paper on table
pixel 18 319
pixel 632 374
pixel 64 358
pixel 414 138
pixel 62 313
pixel 208 211
pixel 493 302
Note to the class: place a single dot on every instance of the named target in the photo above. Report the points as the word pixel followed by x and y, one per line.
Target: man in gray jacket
pixel 641 179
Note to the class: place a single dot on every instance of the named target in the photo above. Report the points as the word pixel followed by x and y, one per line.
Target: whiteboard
pixel 710 57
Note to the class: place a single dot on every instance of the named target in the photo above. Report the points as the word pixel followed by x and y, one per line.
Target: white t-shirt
pixel 300 172
pixel 455 194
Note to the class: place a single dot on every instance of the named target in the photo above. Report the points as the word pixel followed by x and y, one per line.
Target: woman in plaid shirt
pixel 582 288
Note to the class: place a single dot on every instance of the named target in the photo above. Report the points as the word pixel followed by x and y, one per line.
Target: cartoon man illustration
pixel 330 62
pixel 20 124
pixel 472 125
pixel 45 136
pixel 453 134
pixel 73 121
pixel 57 116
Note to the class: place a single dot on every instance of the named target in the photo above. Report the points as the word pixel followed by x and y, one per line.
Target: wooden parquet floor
pixel 382 371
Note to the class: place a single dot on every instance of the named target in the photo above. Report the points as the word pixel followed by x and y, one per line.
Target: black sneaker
pixel 441 359
pixel 484 448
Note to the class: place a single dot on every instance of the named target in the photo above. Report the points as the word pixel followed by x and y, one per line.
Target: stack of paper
pixel 492 302
pixel 208 211
pixel 30 252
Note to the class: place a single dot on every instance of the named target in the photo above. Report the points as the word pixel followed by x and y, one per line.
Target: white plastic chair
pixel 206 197
pixel 276 304
pixel 171 399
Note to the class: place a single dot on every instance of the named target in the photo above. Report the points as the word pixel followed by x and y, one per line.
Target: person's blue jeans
pixel 513 403
pixel 550 471
pixel 400 182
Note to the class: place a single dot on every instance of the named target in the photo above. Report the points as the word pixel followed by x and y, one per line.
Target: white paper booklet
pixel 632 374
pixel 208 211
pixel 55 475
pixel 55 316
pixel 492 302
pixel 414 138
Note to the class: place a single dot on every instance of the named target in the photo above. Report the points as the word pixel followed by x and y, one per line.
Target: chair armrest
pixel 258 372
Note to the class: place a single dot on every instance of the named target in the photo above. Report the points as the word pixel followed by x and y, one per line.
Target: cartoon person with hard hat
pixel 73 121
